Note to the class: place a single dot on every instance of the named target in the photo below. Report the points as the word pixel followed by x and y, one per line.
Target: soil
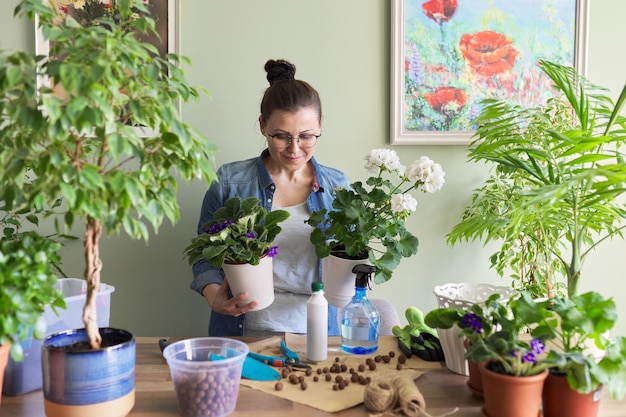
pixel 339 253
pixel 496 367
pixel 108 340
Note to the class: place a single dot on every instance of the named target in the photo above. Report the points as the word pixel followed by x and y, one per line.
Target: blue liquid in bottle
pixel 360 319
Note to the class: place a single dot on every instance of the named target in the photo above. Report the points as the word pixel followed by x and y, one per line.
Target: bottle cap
pixel 362 281
pixel 317 286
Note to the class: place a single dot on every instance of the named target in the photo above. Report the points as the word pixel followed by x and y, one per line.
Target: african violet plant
pixel 240 232
pixel 526 336
pixel 496 331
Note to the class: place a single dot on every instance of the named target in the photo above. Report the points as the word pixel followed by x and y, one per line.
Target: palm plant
pixel 559 174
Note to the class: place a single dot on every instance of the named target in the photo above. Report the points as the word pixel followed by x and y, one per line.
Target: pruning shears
pixel 291 358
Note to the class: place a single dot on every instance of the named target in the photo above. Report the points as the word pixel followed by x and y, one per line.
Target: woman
pixel 285 176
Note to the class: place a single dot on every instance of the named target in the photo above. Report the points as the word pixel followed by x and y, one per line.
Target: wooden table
pixel 155 397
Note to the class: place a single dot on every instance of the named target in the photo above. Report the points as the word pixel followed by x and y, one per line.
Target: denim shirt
pixel 249 178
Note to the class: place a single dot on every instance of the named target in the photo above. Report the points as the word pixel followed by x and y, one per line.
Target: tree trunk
pixel 93 266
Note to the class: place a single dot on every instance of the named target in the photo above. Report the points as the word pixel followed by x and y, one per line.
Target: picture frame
pixel 165 13
pixel 439 73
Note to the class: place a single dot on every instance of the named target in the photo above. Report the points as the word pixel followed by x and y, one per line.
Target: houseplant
pixel 237 239
pixel 505 353
pixel 82 144
pixel 573 325
pixel 469 327
pixel 561 330
pixel 29 265
pixel 21 238
pixel 27 277
pixel 554 194
pixel 367 222
pixel 240 232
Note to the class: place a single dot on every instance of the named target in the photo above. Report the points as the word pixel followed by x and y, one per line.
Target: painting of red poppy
pixel 449 55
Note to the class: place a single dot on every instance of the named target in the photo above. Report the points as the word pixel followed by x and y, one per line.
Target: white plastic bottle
pixel 317 324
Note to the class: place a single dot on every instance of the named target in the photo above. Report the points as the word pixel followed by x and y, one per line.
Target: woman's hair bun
pixel 279 70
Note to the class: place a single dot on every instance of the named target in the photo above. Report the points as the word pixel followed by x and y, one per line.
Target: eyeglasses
pixel 305 140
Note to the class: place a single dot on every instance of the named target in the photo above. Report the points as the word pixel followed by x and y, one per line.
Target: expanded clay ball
pixel 278 386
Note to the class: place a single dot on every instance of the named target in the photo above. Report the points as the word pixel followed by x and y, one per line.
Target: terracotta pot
pixel 339 280
pixel 560 400
pixel 511 396
pixel 475 380
pixel 256 280
pixel 4 359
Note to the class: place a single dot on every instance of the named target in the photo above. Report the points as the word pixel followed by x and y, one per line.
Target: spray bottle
pixel 360 318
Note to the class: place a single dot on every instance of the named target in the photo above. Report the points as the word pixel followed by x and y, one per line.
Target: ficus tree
pixel 72 116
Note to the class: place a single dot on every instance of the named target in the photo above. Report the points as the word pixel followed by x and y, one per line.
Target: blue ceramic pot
pixel 77 381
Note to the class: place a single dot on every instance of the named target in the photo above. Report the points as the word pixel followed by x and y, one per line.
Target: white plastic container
pixel 25 376
pixel 206 372
pixel 317 324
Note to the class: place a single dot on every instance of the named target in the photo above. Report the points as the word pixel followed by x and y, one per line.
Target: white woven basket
pixel 462 296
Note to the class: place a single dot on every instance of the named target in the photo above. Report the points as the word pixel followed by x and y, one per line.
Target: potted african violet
pixel 239 240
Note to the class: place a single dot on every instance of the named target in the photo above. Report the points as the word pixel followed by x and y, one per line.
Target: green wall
pixel 342 48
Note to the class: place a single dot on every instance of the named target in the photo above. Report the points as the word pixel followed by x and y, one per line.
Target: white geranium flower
pixel 428 173
pixel 403 203
pixel 420 169
pixel 382 159
pixel 413 172
pixel 435 179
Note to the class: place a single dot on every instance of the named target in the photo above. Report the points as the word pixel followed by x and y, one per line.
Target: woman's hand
pixel 217 297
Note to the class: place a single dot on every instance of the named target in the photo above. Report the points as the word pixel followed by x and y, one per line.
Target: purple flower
pixel 472 321
pixel 537 346
pixel 530 357
pixel 273 251
pixel 251 235
pixel 218 227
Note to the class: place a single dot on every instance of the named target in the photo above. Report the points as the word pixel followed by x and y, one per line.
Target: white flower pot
pixel 339 280
pixel 462 296
pixel 256 280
